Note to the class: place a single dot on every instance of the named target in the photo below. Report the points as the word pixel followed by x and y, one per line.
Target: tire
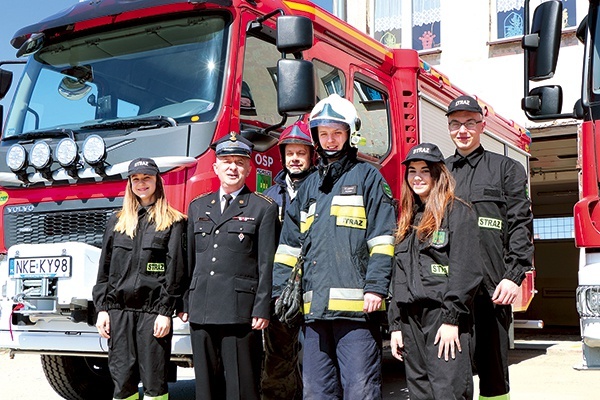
pixel 78 378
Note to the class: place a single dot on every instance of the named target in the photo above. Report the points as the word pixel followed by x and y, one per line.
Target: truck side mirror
pixel 543 100
pixel 294 34
pixel 296 86
pixel 5 82
pixel 543 43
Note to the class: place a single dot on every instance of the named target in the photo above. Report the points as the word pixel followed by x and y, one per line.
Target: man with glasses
pixel 496 186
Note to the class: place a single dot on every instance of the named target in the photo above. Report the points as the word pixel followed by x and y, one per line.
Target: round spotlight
pixel 16 158
pixel 66 152
pixel 40 155
pixel 94 150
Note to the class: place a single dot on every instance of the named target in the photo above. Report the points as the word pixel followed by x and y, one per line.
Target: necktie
pixel 227 198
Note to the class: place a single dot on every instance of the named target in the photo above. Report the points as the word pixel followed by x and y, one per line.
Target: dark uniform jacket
pixel 279 191
pixel 496 186
pixel 444 270
pixel 146 273
pixel 348 208
pixel 231 258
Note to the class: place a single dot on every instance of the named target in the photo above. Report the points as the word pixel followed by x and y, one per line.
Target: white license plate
pixel 31 267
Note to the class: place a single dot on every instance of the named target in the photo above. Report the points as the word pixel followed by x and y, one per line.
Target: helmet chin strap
pixel 336 154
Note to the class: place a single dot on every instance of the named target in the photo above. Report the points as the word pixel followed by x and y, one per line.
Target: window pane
pixel 329 80
pixel 553 228
pixel 388 22
pixel 509 17
pixel 426 19
pixel 372 107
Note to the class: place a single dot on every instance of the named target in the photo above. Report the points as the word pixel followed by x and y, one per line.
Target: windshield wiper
pixel 50 133
pixel 142 123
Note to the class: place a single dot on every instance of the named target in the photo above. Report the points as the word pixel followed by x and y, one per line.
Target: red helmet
pixel 297 133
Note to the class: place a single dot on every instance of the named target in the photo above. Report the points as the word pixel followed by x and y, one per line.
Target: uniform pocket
pixel 240 236
pixel 154 248
pixel 245 291
pixel 202 232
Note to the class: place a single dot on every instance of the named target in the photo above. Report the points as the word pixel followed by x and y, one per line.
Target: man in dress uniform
pixel 232 237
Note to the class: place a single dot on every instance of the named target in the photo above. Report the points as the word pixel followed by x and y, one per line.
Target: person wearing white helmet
pixel 281 377
pixel 342 224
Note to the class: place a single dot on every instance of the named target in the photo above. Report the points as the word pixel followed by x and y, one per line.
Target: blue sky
pixel 17 15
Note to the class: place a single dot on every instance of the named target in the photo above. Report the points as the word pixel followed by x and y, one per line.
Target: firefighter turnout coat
pixel 346 208
pixel 231 258
pixel 496 186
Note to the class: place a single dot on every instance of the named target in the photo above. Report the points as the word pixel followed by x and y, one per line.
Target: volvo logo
pixel 19 209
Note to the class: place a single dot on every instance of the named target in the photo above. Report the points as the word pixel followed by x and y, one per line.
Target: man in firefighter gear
pixel 496 186
pixel 342 222
pixel 232 237
pixel 281 377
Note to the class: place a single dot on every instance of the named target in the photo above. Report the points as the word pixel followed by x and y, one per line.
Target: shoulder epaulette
pixel 267 198
pixel 200 196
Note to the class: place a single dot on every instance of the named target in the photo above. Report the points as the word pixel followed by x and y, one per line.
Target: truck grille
pixel 69 221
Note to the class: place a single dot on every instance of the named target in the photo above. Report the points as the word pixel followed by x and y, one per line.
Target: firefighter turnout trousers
pixel 355 347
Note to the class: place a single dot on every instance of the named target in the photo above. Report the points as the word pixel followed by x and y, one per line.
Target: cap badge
pixel 232 136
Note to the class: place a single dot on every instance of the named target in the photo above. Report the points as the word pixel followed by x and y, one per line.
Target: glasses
pixel 470 124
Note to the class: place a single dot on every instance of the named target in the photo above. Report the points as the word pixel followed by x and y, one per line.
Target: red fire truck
pixel 111 80
pixel 541 43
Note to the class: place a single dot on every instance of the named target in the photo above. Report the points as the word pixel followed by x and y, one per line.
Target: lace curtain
pixel 425 12
pixel 388 15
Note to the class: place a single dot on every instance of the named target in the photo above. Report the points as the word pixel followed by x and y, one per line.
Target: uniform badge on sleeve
pixel 387 190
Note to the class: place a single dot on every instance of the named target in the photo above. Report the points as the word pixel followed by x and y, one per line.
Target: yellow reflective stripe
pixel 345 299
pixel 307 217
pixel 348 211
pixel 306 300
pixel 306 308
pixel 161 397
pixel 287 255
pixel 356 200
pixel 350 305
pixel 285 259
pixel 383 244
pixel 387 249
pixel 305 225
pixel 135 396
pixel 501 397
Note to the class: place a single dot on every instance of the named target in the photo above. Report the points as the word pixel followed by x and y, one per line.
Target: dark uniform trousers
pixel 127 365
pixel 231 256
pixel 225 346
pixel 492 323
pixel 433 377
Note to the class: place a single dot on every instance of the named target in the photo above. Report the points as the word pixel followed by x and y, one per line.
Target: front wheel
pixel 78 378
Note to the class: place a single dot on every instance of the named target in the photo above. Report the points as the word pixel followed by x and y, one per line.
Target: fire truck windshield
pixel 168 70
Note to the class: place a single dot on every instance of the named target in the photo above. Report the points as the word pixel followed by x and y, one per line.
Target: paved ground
pixel 541 369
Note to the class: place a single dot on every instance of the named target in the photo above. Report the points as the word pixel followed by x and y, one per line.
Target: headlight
pixel 66 152
pixel 40 155
pixel 16 158
pixel 94 150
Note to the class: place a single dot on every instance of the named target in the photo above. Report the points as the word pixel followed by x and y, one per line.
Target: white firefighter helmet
pixel 335 109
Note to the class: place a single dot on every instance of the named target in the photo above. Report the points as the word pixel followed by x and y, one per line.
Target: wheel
pixel 78 378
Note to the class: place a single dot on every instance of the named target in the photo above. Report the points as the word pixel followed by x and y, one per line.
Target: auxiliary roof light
pixel 16 158
pixel 94 150
pixel 40 155
pixel 66 152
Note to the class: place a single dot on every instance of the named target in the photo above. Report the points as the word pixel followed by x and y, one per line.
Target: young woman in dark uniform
pixel 437 270
pixel 141 278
